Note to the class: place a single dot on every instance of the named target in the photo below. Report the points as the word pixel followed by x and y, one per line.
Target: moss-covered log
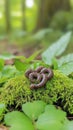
pixel 58 90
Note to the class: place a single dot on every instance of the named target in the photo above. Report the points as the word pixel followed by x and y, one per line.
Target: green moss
pixel 71 76
pixel 58 90
pixel 15 91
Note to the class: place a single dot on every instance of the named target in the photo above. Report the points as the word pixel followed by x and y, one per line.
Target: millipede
pixel 41 83
pixel 48 72
pixel 35 77
pixel 38 70
pixel 39 77
pixel 28 72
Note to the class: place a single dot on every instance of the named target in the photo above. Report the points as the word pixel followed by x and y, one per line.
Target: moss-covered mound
pixel 58 90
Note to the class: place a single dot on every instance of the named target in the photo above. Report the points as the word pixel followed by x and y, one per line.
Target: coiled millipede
pixel 39 77
pixel 48 72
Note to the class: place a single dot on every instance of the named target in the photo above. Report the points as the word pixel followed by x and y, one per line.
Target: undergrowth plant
pixel 43 117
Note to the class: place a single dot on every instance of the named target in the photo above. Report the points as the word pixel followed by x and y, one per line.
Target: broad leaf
pixel 66 68
pixel 56 49
pixel 68 125
pixel 20 65
pixel 51 119
pixel 65 59
pixel 50 108
pixel 18 121
pixel 34 109
pixel 59 114
pixel 48 122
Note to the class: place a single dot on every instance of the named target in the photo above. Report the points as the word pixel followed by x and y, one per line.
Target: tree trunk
pixel 23 15
pixel 47 8
pixel 7 15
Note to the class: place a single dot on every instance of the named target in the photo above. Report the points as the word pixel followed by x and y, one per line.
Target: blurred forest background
pixel 30 25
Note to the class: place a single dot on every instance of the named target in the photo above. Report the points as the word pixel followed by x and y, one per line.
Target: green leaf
pixel 18 121
pixel 2 108
pixel 59 114
pixel 8 72
pixel 34 109
pixel 48 122
pixel 66 68
pixel 51 119
pixel 1 64
pixel 68 125
pixel 65 59
pixel 50 108
pixel 33 56
pixel 20 65
pixel 56 49
pixel 55 63
pixel 20 58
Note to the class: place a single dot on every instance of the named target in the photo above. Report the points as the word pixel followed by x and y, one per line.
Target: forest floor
pixel 15 49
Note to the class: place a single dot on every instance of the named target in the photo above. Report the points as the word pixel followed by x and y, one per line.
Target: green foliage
pixel 7 56
pixel 16 91
pixel 62 20
pixel 64 63
pixel 20 65
pixel 18 121
pixel 66 68
pixel 55 63
pixel 7 73
pixel 32 57
pixel 68 125
pixel 27 63
pixel 56 49
pixel 41 34
pixel 38 109
pixel 65 59
pixel 58 21
pixel 2 109
pixel 49 118
pixel 1 64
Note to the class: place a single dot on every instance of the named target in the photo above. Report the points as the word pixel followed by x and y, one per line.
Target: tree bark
pixel 7 15
pixel 47 8
pixel 23 15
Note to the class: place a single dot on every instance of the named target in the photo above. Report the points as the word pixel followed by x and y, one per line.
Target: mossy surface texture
pixel 59 90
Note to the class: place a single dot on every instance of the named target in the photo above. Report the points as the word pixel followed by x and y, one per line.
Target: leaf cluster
pixel 38 116
pixel 52 56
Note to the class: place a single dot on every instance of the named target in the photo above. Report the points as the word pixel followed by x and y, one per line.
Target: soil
pixel 25 50
pixel 3 127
